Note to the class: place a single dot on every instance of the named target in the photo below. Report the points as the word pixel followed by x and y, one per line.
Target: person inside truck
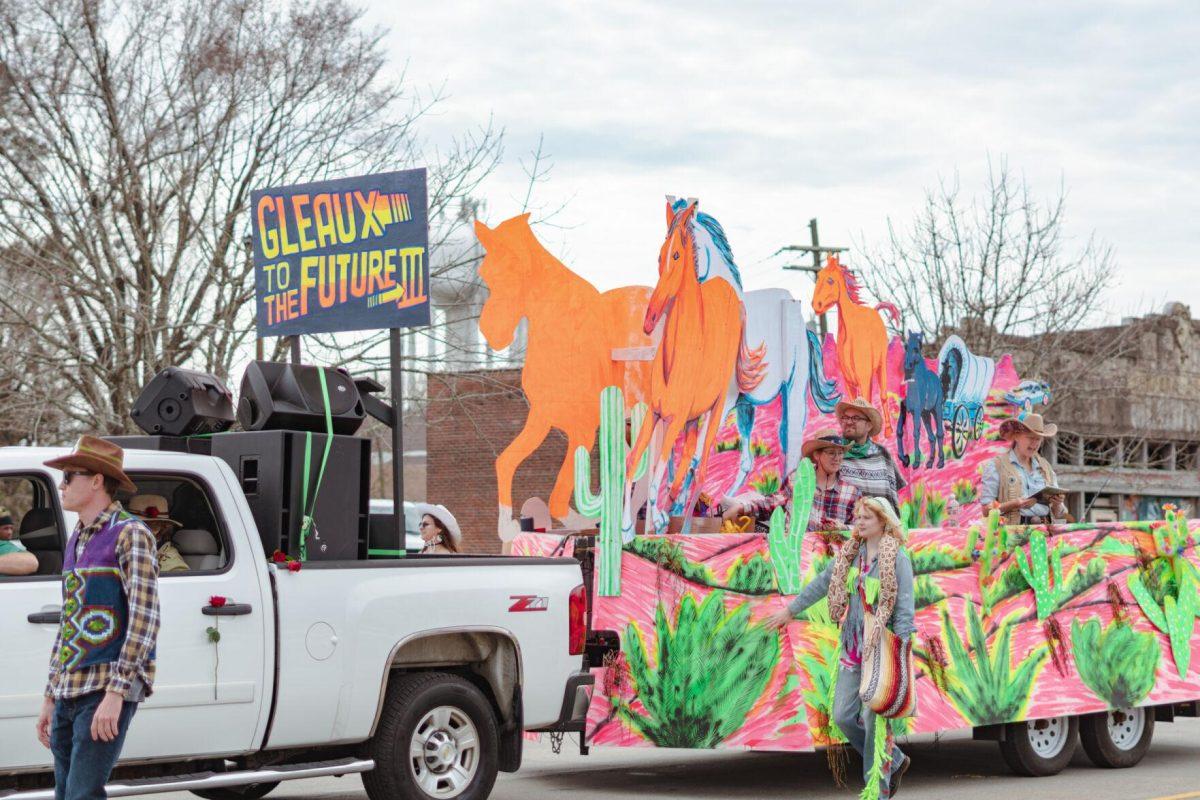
pixel 14 558
pixel 439 530
pixel 155 512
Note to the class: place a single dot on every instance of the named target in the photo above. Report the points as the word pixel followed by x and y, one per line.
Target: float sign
pixel 342 255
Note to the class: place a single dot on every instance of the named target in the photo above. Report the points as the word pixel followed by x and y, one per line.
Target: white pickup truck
pixel 420 672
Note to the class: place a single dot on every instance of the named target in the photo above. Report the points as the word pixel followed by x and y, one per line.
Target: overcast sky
pixel 775 112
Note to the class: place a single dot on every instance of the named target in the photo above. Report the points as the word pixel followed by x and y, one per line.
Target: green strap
pixel 310 503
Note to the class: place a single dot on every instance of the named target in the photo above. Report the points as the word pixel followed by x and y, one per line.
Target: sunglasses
pixel 849 418
pixel 70 475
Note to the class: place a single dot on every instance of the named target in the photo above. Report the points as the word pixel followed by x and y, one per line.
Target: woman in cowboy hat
pixel 1013 480
pixel 868 465
pixel 439 530
pixel 876 549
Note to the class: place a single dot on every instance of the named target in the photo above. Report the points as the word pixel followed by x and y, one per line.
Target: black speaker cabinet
pixel 200 445
pixel 183 402
pixel 277 396
pixel 269 466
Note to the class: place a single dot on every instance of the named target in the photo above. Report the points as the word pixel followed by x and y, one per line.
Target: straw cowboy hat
pixel 152 508
pixel 1028 423
pixel 859 404
pixel 92 454
pixel 825 437
pixel 442 515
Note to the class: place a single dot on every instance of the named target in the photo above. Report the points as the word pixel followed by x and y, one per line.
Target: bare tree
pixel 1000 271
pixel 134 134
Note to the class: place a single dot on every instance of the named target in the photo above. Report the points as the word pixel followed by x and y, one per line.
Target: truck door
pixel 209 696
pixel 29 608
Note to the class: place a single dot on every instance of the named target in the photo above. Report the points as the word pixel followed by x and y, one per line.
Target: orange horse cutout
pixel 862 339
pixel 692 379
pixel 573 329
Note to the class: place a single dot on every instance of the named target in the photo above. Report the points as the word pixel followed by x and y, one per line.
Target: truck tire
pixel 252 791
pixel 1117 739
pixel 437 739
pixel 1040 747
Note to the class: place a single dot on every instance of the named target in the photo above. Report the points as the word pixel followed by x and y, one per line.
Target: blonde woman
pixel 876 549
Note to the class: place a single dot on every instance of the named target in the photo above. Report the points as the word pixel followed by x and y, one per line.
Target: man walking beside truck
pixel 102 664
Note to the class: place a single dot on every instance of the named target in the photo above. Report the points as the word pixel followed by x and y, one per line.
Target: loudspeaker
pixel 269 466
pixel 183 402
pixel 201 446
pixel 277 396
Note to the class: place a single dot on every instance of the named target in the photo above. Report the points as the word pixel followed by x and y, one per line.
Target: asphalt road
pixel 954 768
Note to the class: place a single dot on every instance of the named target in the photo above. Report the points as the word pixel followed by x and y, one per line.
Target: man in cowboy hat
pixel 1014 480
pixel 153 510
pixel 14 558
pixel 102 664
pixel 867 465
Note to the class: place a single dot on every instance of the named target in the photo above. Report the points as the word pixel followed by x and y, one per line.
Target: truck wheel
pixel 252 791
pixel 1040 747
pixel 1117 739
pixel 436 740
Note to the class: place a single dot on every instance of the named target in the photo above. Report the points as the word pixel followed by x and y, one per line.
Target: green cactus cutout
pixel 785 546
pixel 711 667
pixel 609 503
pixel 1116 662
pixel 1146 602
pixel 1174 584
pixel 1038 570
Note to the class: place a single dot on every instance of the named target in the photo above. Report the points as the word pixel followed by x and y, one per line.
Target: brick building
pixel 1129 437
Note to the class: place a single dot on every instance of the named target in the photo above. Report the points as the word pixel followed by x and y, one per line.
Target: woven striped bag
pixel 887 672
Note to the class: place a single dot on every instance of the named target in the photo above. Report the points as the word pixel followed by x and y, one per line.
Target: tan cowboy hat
pixel 93 454
pixel 859 404
pixel 152 508
pixel 825 437
pixel 442 515
pixel 1029 423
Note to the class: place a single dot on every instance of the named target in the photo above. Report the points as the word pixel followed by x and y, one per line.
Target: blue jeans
pixel 848 716
pixel 82 766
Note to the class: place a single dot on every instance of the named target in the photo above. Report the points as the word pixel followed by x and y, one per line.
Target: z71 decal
pixel 529 602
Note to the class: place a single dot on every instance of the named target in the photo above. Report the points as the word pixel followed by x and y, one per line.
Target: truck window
pixel 190 535
pixel 36 527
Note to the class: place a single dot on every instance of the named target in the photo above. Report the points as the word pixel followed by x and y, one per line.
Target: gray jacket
pixel 901 622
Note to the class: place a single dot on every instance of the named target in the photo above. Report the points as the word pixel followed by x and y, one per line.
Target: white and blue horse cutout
pixel 792 364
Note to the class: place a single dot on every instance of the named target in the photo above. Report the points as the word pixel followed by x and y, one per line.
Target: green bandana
pixel 857 450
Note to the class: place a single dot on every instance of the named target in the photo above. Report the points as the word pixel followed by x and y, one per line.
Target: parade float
pixel 695 389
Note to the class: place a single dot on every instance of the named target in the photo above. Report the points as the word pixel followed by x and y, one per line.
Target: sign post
pixel 346 255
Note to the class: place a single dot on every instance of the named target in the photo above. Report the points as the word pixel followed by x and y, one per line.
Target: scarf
pixel 858 450
pixel 839 594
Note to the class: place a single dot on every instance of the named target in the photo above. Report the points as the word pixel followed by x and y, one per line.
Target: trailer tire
pixel 1041 747
pixel 1117 739
pixel 449 724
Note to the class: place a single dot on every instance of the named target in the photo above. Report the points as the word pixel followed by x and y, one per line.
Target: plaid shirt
pixel 138 564
pixel 836 504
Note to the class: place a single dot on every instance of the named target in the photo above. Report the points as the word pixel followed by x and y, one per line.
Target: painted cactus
pixel 1038 570
pixel 608 504
pixel 1116 662
pixel 785 545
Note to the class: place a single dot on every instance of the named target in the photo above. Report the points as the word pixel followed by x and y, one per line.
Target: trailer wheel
pixel 960 432
pixel 1117 739
pixel 437 740
pixel 1040 747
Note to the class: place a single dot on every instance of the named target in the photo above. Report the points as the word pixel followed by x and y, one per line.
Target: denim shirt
pixel 1034 481
pixel 901 622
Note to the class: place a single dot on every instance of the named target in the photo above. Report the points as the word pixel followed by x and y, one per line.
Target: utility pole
pixel 817 252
